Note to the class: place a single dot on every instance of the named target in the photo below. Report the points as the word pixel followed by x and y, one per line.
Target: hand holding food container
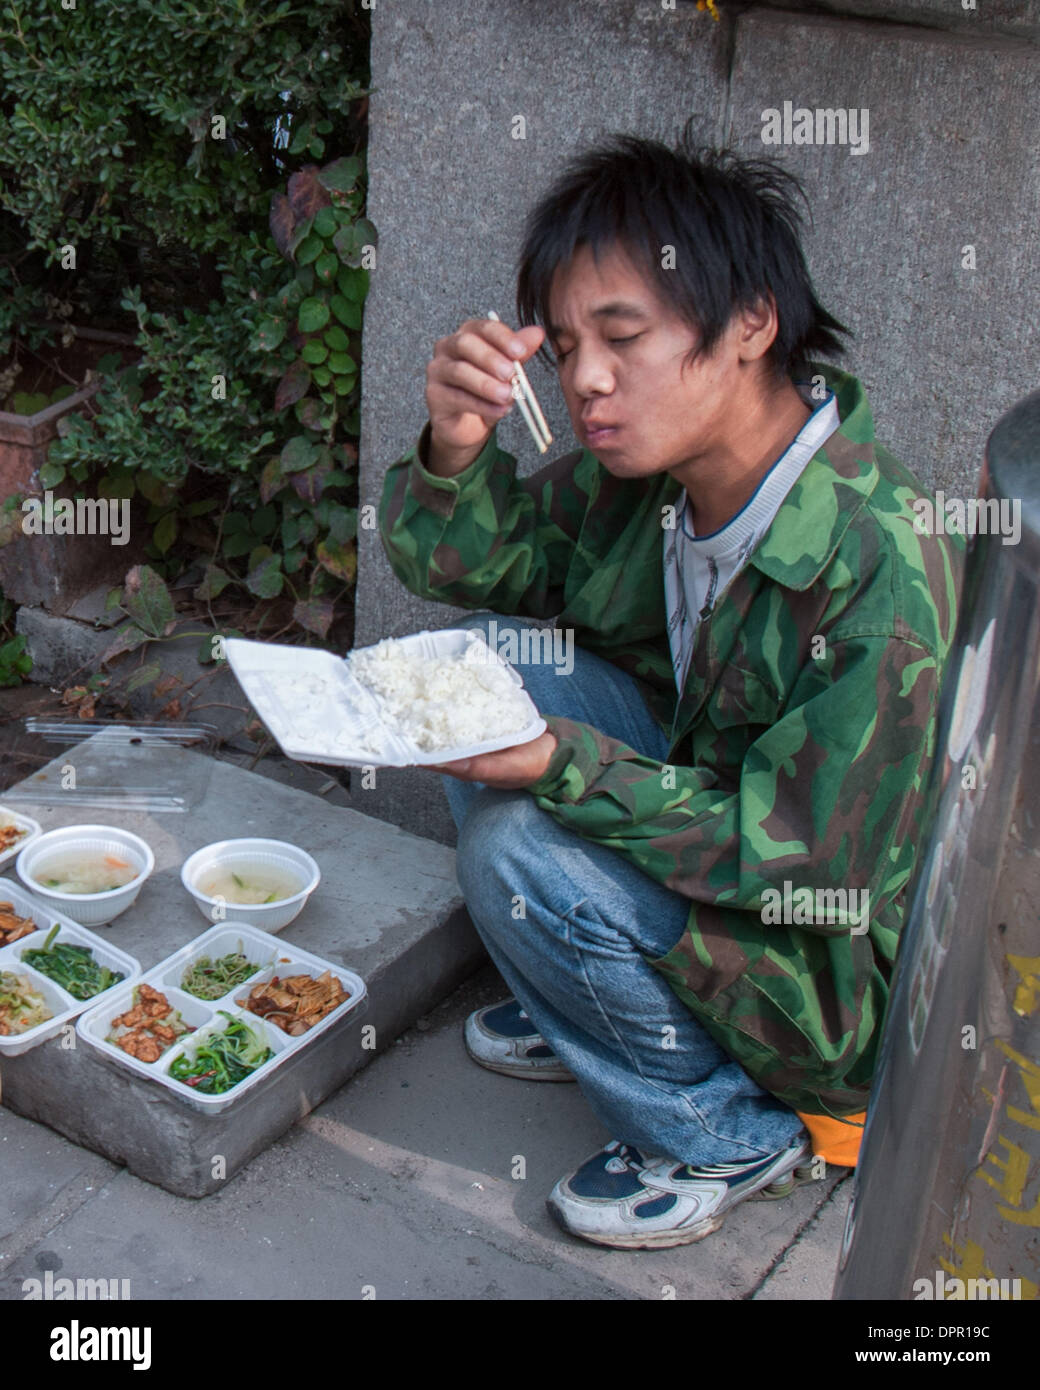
pixel 425 700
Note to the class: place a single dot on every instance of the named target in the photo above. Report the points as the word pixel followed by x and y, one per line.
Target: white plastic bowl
pixel 250 855
pixel 88 909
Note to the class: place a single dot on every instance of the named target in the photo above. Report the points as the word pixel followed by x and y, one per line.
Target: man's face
pixel 620 352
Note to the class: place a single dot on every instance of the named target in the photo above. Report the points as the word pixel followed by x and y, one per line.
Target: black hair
pixel 734 223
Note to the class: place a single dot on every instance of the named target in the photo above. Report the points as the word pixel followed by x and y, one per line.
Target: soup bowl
pixel 269 859
pixel 87 841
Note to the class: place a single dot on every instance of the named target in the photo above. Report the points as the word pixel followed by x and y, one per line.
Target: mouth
pixel 597 434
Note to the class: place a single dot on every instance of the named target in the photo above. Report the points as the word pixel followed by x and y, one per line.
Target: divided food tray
pixel 273 957
pixel 320 712
pixel 62 1005
pixel 31 827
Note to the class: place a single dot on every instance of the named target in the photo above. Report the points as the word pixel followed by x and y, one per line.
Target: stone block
pixel 449 189
pixel 388 907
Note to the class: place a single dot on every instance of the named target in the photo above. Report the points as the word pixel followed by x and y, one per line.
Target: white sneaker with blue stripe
pixel 635 1201
pixel 502 1038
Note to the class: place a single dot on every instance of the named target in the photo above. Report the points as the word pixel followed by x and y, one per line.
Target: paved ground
pixel 400 1183
pixel 401 1186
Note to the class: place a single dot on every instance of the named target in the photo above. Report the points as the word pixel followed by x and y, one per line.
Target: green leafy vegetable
pixel 72 967
pixel 223 1060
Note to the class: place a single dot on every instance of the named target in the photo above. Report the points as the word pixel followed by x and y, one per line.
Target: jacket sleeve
pixel 826 797
pixel 483 538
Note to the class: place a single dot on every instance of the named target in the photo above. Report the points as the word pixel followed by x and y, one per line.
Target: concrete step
pixel 388 907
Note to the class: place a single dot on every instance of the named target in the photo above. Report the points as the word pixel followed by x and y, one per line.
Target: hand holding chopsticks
pixel 528 403
pixel 473 381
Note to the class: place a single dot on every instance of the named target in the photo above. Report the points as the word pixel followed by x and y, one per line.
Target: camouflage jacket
pixel 800 744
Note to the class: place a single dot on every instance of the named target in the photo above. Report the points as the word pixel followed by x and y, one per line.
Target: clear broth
pixel 252 887
pixel 85 873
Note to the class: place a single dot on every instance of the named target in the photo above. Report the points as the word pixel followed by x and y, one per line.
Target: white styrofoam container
pixel 91 909
pixel 274 958
pixel 65 1007
pixel 332 718
pixel 26 823
pixel 252 854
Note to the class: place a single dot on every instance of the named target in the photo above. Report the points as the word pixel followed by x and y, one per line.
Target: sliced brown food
pixel 13 927
pixel 297 1003
pixel 9 835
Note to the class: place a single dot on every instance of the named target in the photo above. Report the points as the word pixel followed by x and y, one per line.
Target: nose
pixel 591 375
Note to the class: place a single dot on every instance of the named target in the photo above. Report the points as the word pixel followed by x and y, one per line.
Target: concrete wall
pixel 952 162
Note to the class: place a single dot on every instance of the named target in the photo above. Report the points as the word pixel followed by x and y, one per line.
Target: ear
pixel 757 329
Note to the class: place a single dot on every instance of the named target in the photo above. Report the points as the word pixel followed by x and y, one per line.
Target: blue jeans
pixel 572 925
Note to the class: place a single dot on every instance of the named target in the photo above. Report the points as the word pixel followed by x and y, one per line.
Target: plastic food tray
pixel 59 1001
pixel 26 823
pixel 320 712
pixel 274 957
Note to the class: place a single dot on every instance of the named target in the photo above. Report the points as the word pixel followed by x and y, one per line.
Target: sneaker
pixel 635 1201
pixel 503 1039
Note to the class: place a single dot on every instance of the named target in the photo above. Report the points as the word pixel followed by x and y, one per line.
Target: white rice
pixel 442 702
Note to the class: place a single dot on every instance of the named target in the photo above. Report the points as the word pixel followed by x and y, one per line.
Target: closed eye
pixel 615 342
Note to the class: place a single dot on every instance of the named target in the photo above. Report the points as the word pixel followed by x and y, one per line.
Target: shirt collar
pixel 834 485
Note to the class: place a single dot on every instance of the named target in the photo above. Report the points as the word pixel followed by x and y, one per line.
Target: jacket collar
pixel 834 485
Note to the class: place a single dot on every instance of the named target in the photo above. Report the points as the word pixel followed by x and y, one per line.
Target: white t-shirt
pixel 699 569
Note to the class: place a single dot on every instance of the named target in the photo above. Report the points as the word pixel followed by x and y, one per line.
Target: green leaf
pixel 201 508
pixel 147 600
pixel 341 175
pixel 272 479
pixel 348 313
pixel 290 533
pixel 339 560
pixel 314 315
pixel 343 385
pixel 127 639
pixel 298 453
pixel 322 375
pixel 154 490
pixel 235 521
pixel 238 543
pixel 315 615
pixel 51 474
pixel 165 532
pixel 314 351
pixel 144 675
pixel 343 524
pixel 265 519
pixel 326 267
pixel 353 283
pixel 336 339
pixel 266 579
pixel 214 582
pixel 270 334
pixel 309 250
pixel 310 414
pixel 324 221
pixel 341 363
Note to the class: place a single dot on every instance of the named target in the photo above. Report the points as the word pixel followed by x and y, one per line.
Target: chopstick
pixel 528 403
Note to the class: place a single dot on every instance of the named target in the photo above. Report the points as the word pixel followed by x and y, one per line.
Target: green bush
pixel 156 141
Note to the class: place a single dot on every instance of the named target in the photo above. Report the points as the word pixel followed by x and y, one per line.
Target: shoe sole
pixel 663 1240
pixel 504 1069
